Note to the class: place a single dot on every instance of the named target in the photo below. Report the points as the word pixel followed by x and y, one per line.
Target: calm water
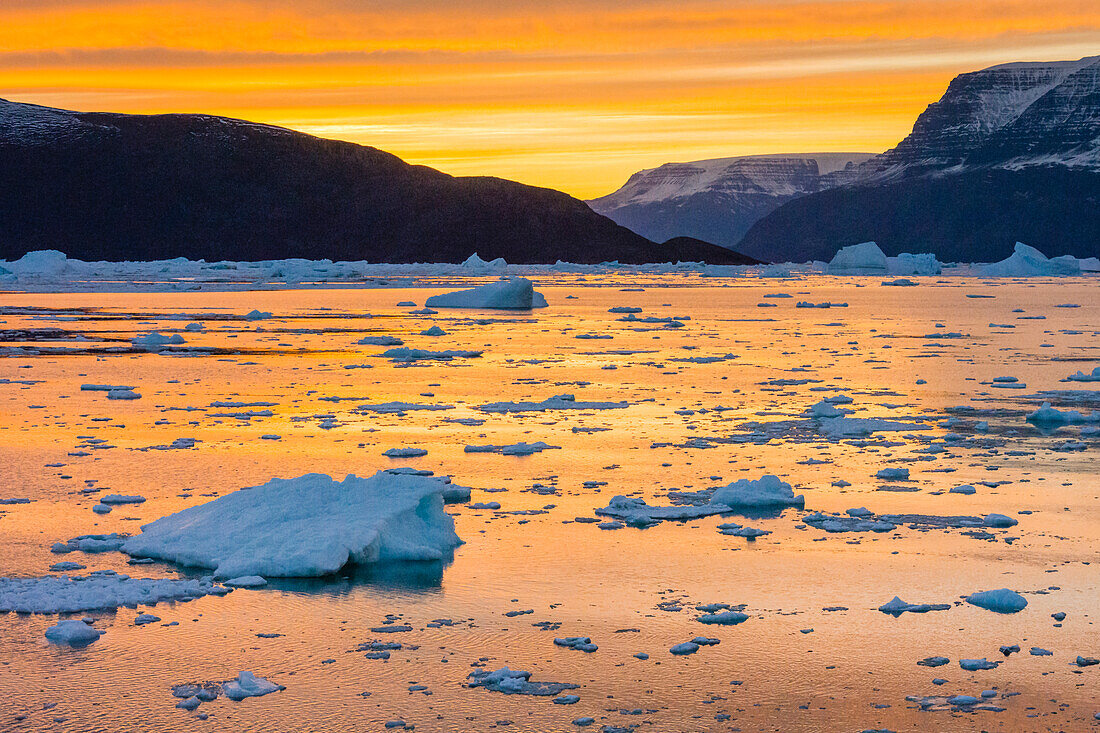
pixel 852 672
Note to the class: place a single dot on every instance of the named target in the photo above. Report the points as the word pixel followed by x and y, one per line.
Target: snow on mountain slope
pixel 29 124
pixel 1042 111
pixel 778 174
pixel 718 200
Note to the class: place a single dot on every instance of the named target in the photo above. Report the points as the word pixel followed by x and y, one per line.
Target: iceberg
pixel 307 526
pixel 859 259
pixel 516 293
pixel 1027 261
pixel 909 264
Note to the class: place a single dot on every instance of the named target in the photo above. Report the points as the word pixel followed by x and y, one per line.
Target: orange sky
pixel 572 94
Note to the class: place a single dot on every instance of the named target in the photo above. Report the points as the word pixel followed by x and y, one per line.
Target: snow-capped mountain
pixel 1008 153
pixel 1009 116
pixel 718 200
pixel 144 187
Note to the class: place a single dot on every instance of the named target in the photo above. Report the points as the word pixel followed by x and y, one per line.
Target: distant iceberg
pixel 858 259
pixel 516 293
pixel 1027 261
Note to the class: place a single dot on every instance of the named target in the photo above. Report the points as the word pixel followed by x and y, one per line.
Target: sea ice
pixel 405 452
pixel 101 590
pixel 156 340
pixel 515 682
pixel 557 402
pixel 380 341
pixel 516 449
pixel 306 526
pixel 896 607
pixel 767 492
pixel 405 354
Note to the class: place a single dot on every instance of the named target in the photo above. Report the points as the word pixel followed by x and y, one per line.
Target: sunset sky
pixel 573 94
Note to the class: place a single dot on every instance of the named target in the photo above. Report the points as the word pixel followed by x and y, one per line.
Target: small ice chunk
pixel 246 581
pixel 73 632
pixel 973 665
pixel 249 685
pixel 405 452
pixel 1002 600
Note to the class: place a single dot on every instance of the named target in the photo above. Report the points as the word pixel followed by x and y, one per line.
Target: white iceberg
pixel 306 526
pixel 909 264
pixel 1027 261
pixel 45 263
pixel 859 259
pixel 516 293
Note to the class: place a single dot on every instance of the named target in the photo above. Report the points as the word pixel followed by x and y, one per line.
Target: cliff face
pixel 718 200
pixel 134 187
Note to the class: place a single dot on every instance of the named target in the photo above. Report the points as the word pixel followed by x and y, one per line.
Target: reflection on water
pixel 720 398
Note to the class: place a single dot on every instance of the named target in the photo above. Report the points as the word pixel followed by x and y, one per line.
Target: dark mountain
pixel 719 200
pixel 1010 153
pixel 679 249
pixel 131 187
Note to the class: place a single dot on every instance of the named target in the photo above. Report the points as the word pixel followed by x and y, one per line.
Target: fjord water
pixel 689 425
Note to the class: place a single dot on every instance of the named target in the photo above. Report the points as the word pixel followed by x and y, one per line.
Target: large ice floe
pixel 97 591
pixel 1027 261
pixel 516 293
pixel 306 526
pixel 766 492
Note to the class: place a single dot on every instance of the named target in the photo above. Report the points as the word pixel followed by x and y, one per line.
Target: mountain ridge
pixel 720 198
pixel 106 186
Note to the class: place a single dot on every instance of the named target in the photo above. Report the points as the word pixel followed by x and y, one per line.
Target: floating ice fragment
pixel 249 685
pixel 102 590
pixel 515 682
pixel 405 452
pixel 73 632
pixel 896 607
pixel 1002 600
pixel 557 402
